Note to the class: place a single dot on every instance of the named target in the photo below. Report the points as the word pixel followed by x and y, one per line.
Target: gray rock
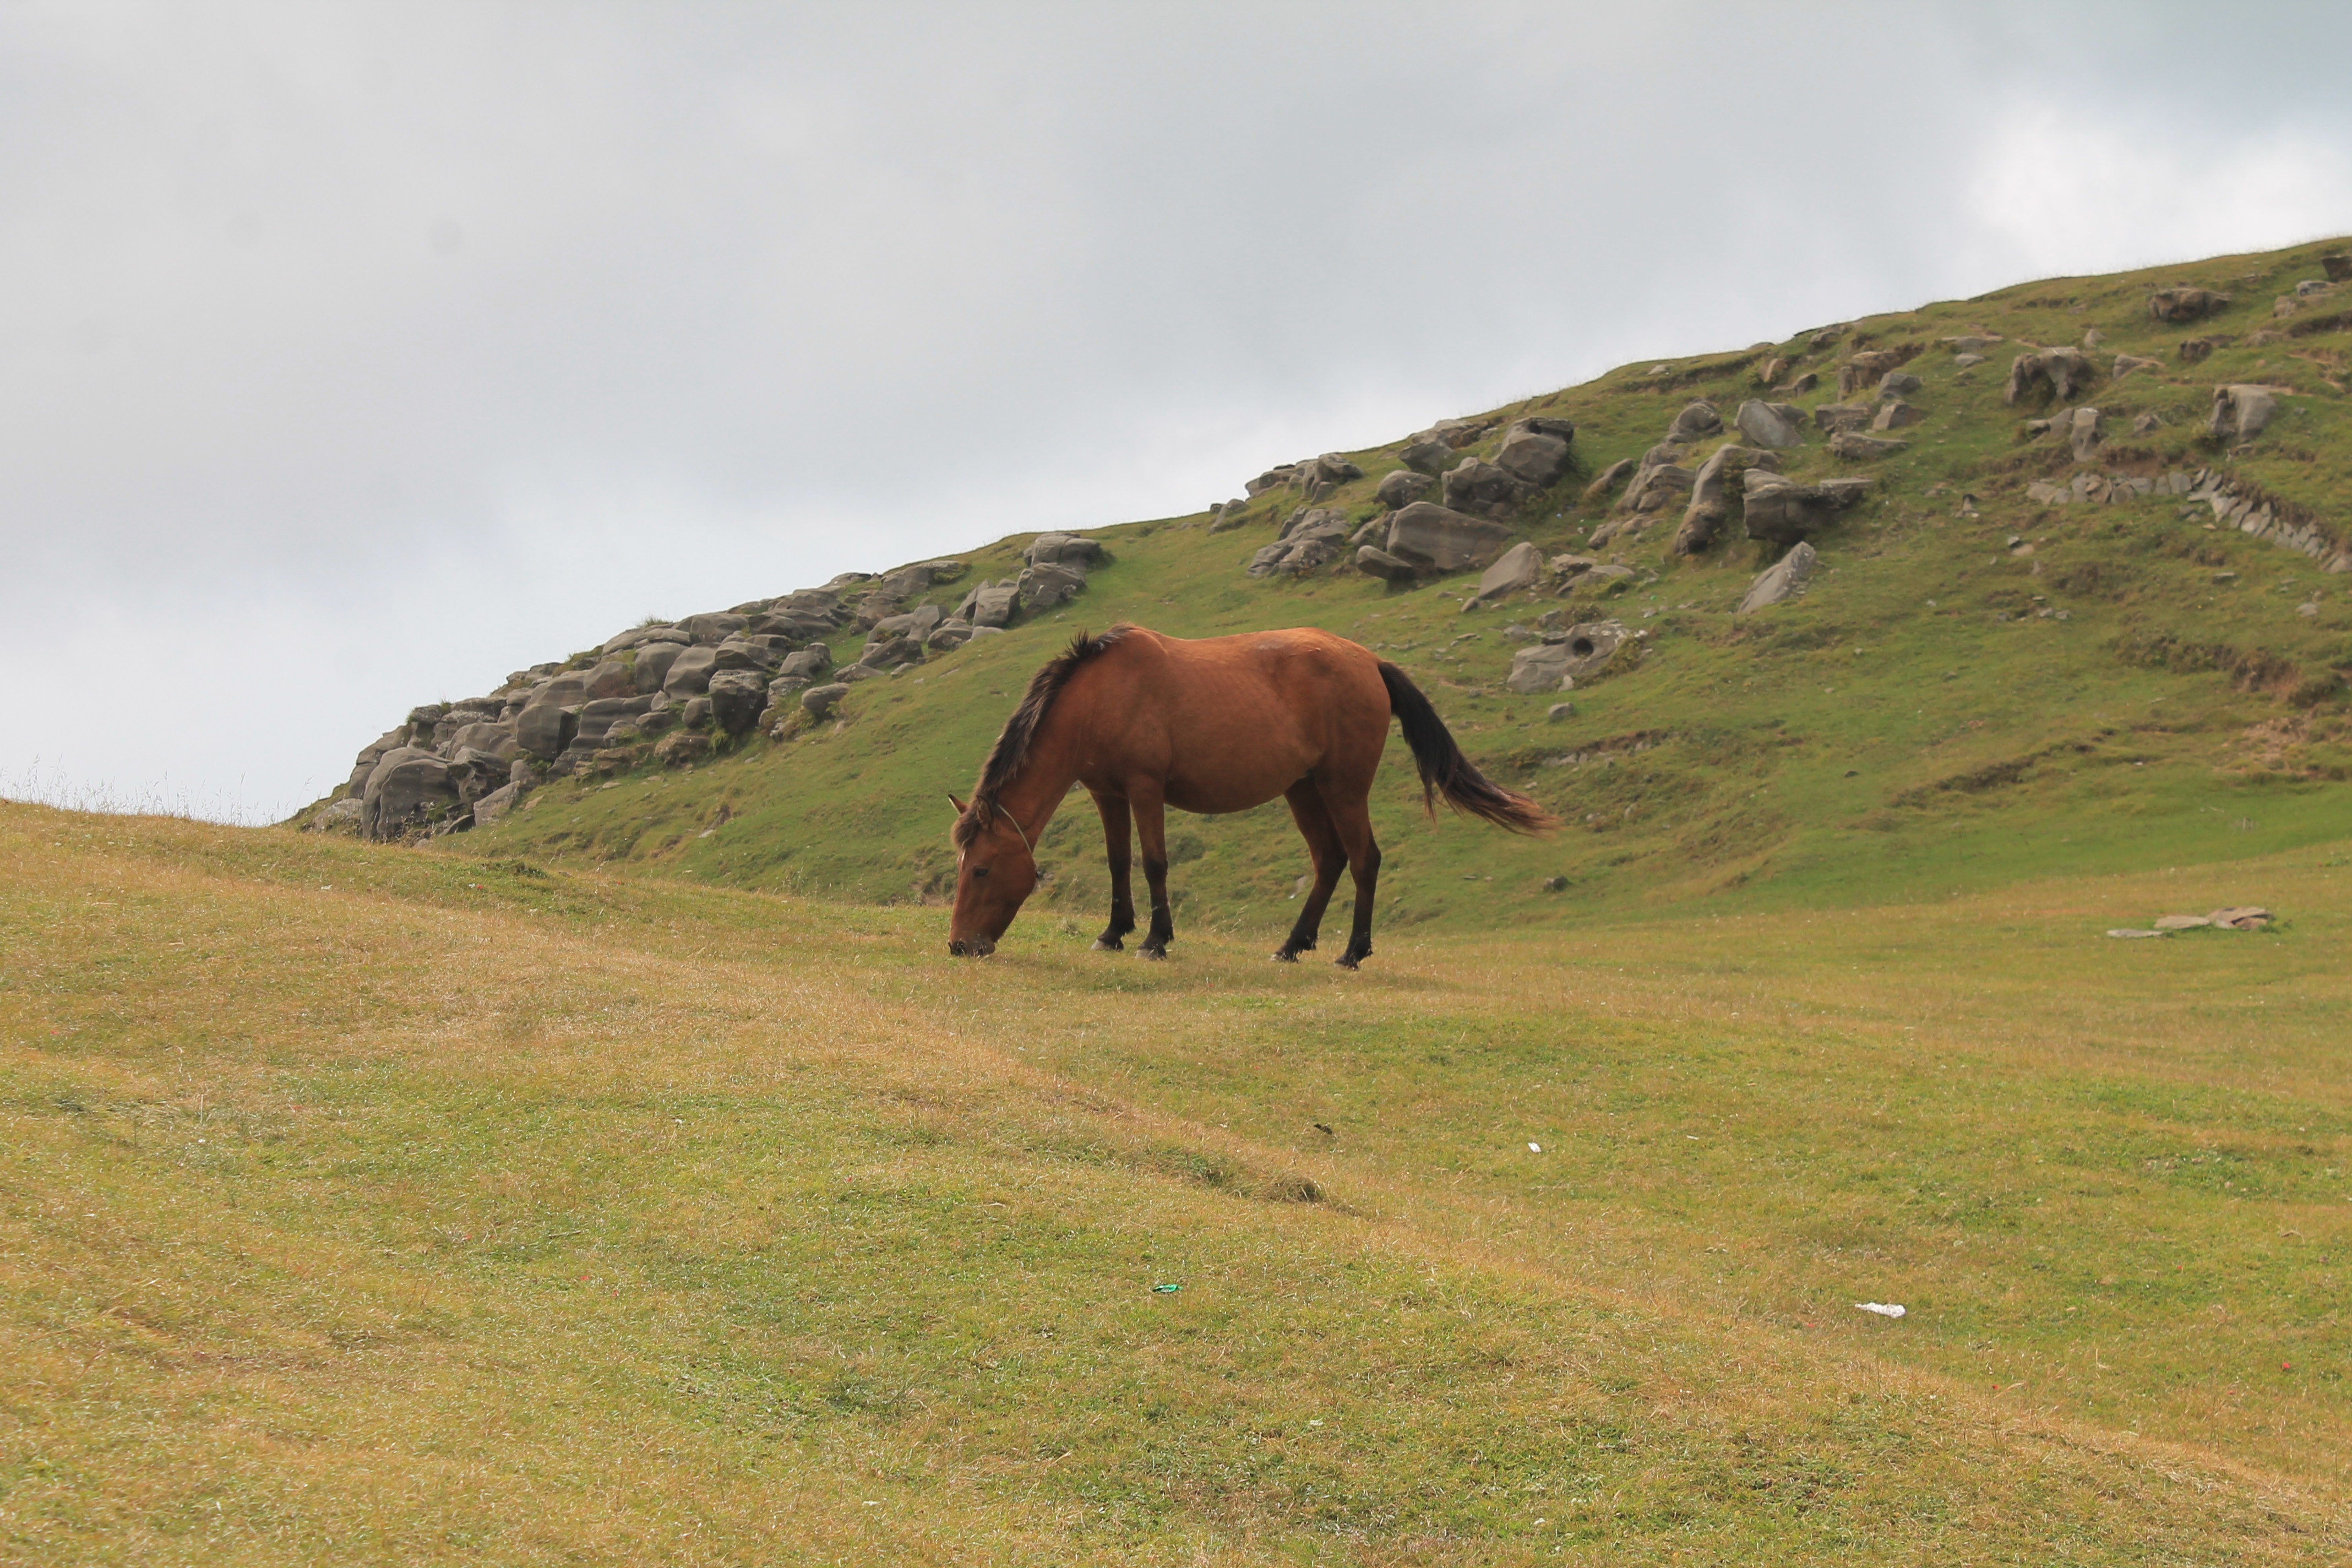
pixel 736 697
pixel 820 700
pixel 1557 712
pixel 1782 511
pixel 1695 423
pixel 1835 416
pixel 2060 372
pixel 1781 582
pixel 497 802
pixel 1374 562
pixel 1483 488
pixel 1534 456
pixel 889 653
pixel 1710 502
pixel 2079 429
pixel 690 672
pixel 2126 364
pixel 2179 306
pixel 545 729
pixel 1403 488
pixel 612 678
pixel 682 748
pixel 993 607
pixel 1435 539
pixel 916 622
pixel 425 715
pixel 498 740
pixel 2241 411
pixel 341 816
pixel 1607 480
pixel 810 663
pixel 1898 383
pixel 1894 414
pixel 654 660
pixel 1065 549
pixel 1517 571
pixel 1767 425
pixel 1564 658
pixel 1860 449
pixel 714 627
pixel 949 636
pixel 407 789
pixel 695 713
pixel 1044 588
pixel 1426 456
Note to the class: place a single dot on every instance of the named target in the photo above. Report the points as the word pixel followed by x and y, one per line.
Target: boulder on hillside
pixel 916 622
pixel 1069 549
pixel 2126 364
pixel 496 739
pixel 1898 383
pixel 611 677
pixel 737 696
pixel 2181 306
pixel 1697 422
pixel 1043 588
pixel 1770 425
pixel 810 663
pixel 1402 488
pixel 1835 416
pixel 1779 509
pixel 1894 414
pixel 1518 569
pixel 1865 369
pixel 889 653
pixel 654 660
pixel 1780 581
pixel 1483 488
pixel 1658 478
pixel 545 729
pixel 1710 502
pixel 689 674
pixel 409 788
pixel 1374 562
pixel 2059 373
pixel 1310 541
pixel 1320 475
pixel 948 636
pixel 1565 657
pixel 1536 451
pixel 1860 449
pixel 2079 429
pixel 714 627
pixel 682 748
pixel 1436 539
pixel 992 605
pixel 497 802
pixel 2239 412
pixel 820 700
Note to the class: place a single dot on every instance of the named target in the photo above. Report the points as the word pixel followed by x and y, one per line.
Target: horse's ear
pixel 961 807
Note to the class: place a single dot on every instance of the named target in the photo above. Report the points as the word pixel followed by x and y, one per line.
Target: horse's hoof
pixel 1109 944
pixel 1345 961
pixel 1154 953
pixel 1285 956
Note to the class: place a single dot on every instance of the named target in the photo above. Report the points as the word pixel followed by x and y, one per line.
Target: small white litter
pixel 1884 1308
pixel 1535 1148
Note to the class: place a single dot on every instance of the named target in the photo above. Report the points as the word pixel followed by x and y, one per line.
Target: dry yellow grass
pixel 363 1206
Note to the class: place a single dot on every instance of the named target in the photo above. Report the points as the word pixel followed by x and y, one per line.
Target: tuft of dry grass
pixel 362 1204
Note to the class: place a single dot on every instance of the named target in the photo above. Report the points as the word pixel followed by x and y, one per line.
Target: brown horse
pixel 1222 724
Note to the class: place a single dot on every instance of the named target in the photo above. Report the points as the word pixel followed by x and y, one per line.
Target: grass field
pixel 369 1204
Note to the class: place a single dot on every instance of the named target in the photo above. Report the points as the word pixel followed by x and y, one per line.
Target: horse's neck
pixel 1045 776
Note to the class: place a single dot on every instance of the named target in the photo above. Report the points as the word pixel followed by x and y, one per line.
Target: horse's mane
pixel 1003 765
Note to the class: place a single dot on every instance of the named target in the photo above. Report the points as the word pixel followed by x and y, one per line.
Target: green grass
pixel 363 1205
pixel 1914 728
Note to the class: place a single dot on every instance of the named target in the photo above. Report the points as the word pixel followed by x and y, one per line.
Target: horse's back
pixel 1233 721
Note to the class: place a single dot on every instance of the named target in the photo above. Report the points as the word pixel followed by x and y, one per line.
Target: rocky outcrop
pixel 1402 488
pixel 1781 582
pixel 1519 568
pixel 1770 425
pixel 1712 496
pixel 1695 423
pixel 1565 657
pixel 1536 451
pixel 1435 539
pixel 2242 412
pixel 2058 372
pixel 1859 448
pixel 2181 306
pixel 1835 416
pixel 1310 541
pixel 1659 477
pixel 1782 511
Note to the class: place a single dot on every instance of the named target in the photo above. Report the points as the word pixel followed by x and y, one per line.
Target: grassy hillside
pixel 363 1206
pixel 1971 693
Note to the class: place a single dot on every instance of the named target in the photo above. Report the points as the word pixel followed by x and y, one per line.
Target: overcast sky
pixel 353 356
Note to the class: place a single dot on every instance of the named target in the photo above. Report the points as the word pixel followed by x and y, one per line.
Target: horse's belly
pixel 1263 779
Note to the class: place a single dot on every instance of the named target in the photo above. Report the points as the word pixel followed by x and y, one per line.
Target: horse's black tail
pixel 1445 770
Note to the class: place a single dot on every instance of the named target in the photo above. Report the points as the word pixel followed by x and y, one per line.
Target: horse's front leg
pixel 1152 830
pixel 1117 849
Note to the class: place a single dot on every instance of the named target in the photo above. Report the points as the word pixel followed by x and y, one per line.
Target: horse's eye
pixel 979 871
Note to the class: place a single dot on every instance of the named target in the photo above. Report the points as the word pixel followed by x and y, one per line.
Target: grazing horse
pixel 1217 725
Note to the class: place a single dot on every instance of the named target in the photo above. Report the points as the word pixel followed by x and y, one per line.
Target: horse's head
pixel 995 872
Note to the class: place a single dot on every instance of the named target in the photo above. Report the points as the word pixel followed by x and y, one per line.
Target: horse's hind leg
pixel 1116 847
pixel 1330 856
pixel 1351 816
pixel 1151 832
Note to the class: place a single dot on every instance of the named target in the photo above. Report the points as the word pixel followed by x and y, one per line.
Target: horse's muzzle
pixel 978 947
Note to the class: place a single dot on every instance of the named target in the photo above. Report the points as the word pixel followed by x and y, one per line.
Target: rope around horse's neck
pixel 1015 823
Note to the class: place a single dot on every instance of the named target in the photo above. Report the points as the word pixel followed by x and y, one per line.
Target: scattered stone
pixel 1374 562
pixel 1425 456
pixel 1047 585
pixel 1228 515
pixel 1536 451
pixel 1436 539
pixel 2239 412
pixel 2126 934
pixel 820 700
pixel 1484 490
pixel 1403 488
pixel 2128 364
pixel 1515 572
pixel 2146 423
pixel 1769 425
pixel 2182 923
pixel 1968 362
pixel 736 697
pixel 1660 477
pixel 1898 383
pixel 2182 305
pixel 2338 266
pixel 2241 917
pixel 2191 350
pixel 1893 413
pixel 2079 429
pixel 992 606
pixel 2059 373
pixel 1835 416
pixel 1557 663
pixel 713 628
pixel 1863 369
pixel 1560 711
pixel 1695 423
pixel 1781 582
pixel 1062 550
pixel 1860 449
pixel 1710 502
